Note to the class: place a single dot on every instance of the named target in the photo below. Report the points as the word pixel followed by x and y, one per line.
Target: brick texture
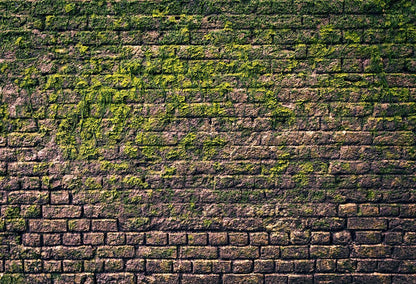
pixel 208 141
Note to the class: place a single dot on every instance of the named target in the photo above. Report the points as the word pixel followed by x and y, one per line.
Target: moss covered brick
pixel 216 141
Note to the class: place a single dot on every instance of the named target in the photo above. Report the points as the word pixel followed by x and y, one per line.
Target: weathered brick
pixel 231 252
pixel 243 278
pixel 104 225
pixel 156 238
pixel 293 252
pixel 113 265
pixel 182 266
pixel 115 251
pixel 197 239
pixel 366 224
pixel 216 239
pixel 113 278
pixel 52 266
pixel 371 251
pixel 71 239
pixel 259 239
pixel 332 251
pixel 177 238
pixel 93 238
pixel 116 238
pixel 94 265
pixel 203 279
pixel 159 266
pixel 205 252
pixel 263 266
pixel 404 252
pixel 156 252
pixel 238 239
pixel 47 226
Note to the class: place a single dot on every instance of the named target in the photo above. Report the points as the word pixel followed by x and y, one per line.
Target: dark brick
pixel 367 224
pixel 294 252
pixel 203 279
pixel 244 278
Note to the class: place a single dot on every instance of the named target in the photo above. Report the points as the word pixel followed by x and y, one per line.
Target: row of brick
pixel 209 266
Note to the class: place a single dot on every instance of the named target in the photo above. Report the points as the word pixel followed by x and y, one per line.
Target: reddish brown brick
pixel 205 252
pixel 93 238
pixel 104 225
pixel 247 252
pixel 200 239
pixel 156 238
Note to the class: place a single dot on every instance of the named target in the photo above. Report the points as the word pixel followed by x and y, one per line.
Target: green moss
pixel 12 279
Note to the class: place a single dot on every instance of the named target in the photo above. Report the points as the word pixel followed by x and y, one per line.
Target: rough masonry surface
pixel 207 141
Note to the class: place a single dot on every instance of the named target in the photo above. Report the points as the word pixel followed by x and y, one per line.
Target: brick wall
pixel 207 141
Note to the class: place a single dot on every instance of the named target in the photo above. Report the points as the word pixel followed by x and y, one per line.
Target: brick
pixel 371 251
pixel 183 266
pixel 156 252
pixel 342 237
pixel 320 238
pixel 271 252
pixel 332 251
pixel 238 239
pixel 72 265
pixel 279 238
pixel 32 266
pixel 113 278
pixel 366 224
pixel 94 265
pixel 31 240
pixel 52 266
pixel 198 252
pixel 303 266
pixel 115 251
pixel 104 225
pixel 203 279
pixel 113 265
pixel 134 238
pixel 159 266
pixel 156 238
pixel 216 239
pixel 272 278
pixel 160 278
pixel 59 197
pixel 93 238
pixel 230 252
pixel 47 226
pixel 60 252
pixel 79 225
pixel 177 238
pixel 300 279
pixel 326 265
pixel 263 266
pixel 221 266
pixel 200 239
pixel 243 278
pixel 242 266
pixel 282 266
pixel 259 239
pixel 299 237
pixel 116 239
pixel 404 252
pixel 202 266
pixel 367 237
pixel 294 252
pixel 71 239
pixel 52 239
